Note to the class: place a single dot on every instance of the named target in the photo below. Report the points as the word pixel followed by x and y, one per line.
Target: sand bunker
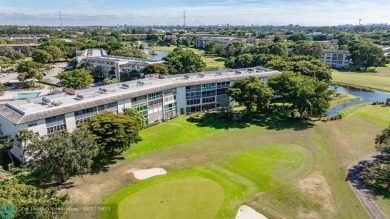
pixel 246 212
pixel 147 173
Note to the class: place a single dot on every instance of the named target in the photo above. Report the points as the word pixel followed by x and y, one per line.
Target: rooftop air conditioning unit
pixel 56 103
pixel 46 100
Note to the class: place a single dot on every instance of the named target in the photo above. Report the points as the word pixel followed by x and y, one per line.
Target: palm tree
pixel 23 136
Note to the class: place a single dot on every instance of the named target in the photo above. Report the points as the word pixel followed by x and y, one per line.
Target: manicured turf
pixel 261 165
pixel 212 62
pixel 377 80
pixel 174 199
pixel 167 135
pixel 238 176
pixel 342 98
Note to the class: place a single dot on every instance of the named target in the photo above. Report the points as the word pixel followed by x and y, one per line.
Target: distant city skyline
pixel 200 12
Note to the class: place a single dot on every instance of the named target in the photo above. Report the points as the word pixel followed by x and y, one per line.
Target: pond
pixel 364 95
pixel 157 55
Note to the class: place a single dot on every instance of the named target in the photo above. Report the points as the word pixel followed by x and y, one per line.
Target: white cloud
pixel 327 12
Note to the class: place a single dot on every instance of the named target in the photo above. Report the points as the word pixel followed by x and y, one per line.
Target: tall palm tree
pixel 23 136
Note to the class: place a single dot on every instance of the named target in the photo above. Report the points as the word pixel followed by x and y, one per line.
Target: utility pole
pixel 59 12
pixel 184 18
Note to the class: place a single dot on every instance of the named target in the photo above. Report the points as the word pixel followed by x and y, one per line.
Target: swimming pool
pixel 27 95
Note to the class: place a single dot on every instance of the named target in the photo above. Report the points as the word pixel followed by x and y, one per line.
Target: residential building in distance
pixel 200 42
pixel 33 37
pixel 336 58
pixel 157 98
pixel 118 64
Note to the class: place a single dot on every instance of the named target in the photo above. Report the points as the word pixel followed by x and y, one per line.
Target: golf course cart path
pixel 142 174
pixel 246 212
pixel 363 194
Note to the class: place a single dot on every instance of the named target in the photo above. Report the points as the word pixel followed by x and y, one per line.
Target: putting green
pixel 179 198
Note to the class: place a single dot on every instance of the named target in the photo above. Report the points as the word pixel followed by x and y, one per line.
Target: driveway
pixel 52 75
pixel 363 194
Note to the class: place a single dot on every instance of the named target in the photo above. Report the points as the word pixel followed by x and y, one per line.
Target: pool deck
pixel 11 95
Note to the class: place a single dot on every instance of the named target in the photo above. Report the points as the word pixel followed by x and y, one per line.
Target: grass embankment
pixel 378 80
pixel 342 98
pixel 277 170
pixel 212 62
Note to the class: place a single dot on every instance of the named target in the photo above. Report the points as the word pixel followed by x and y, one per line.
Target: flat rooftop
pixel 51 105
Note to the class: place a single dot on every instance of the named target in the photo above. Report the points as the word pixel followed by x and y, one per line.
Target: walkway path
pixel 363 194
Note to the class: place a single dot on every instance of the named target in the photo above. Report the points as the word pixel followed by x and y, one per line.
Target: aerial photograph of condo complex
pixel 227 109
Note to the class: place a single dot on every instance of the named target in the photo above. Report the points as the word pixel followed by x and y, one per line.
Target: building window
pixel 193 102
pixel 208 93
pixel 56 128
pixel 55 123
pixel 208 100
pixel 31 124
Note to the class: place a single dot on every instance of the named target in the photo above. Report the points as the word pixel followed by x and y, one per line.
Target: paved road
pixel 52 75
pixel 363 194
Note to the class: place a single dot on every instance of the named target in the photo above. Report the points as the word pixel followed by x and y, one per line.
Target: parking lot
pixel 52 74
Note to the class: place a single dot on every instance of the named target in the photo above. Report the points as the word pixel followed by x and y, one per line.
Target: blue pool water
pixel 27 95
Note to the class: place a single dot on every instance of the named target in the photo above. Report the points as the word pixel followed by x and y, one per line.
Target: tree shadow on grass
pixel 273 119
pixel 360 181
pixel 102 163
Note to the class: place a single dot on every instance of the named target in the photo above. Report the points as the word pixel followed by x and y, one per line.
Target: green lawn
pixel 212 62
pixel 236 176
pixel 377 80
pixel 288 171
pixel 342 98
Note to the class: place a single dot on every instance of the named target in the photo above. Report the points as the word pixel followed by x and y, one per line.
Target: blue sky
pixel 199 12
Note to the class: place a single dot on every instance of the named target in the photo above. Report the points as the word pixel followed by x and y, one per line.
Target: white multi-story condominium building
pixel 157 99
pixel 119 64
pixel 28 37
pixel 336 58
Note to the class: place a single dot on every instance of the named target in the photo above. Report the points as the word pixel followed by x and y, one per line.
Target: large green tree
pixel 156 69
pixel 54 51
pixel 26 65
pixel 128 52
pixel 306 94
pixel 298 37
pixel 6 144
pixel 28 202
pixel 97 72
pixel 365 54
pixel 58 156
pixel 114 133
pixel 252 93
pixel 306 48
pixel 181 61
pixel 75 79
pixel 377 173
pixel 135 114
pixel 42 56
